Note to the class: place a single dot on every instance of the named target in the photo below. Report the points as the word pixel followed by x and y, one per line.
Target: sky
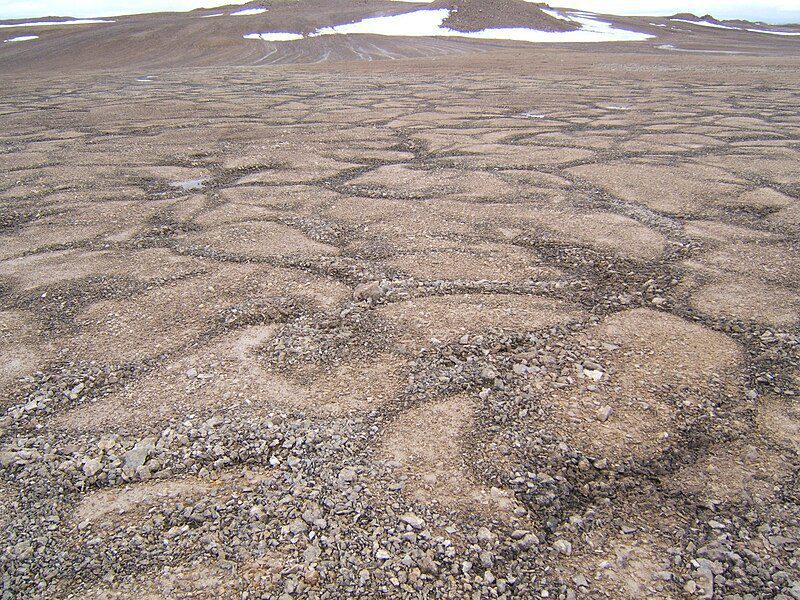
pixel 770 11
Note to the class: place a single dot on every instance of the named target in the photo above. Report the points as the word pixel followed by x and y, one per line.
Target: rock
pixel 347 476
pixel 311 554
pixel 382 555
pixel 604 413
pixel 191 373
pixel 413 520
pixel 592 374
pixel 705 575
pixel 427 565
pixel 563 547
pixel 528 541
pixel 487 559
pixel 370 292
pixel 91 467
pixel 7 459
pixel 136 457
pixel 580 581
pixel 518 534
pixel 485 536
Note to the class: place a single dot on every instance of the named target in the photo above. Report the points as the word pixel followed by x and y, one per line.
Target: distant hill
pixel 475 15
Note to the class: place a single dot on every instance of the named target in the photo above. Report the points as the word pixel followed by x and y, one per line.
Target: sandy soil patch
pixel 779 420
pixel 761 199
pixel 445 318
pixel 602 231
pixel 717 233
pixel 229 373
pixel 654 350
pixel 787 219
pixel 674 189
pixel 299 198
pixel 493 262
pixel 21 349
pixel 747 281
pixel 258 240
pixel 406 182
pixel 742 298
pixel 166 318
pixel 117 507
pixel 52 268
pixel 775 164
pixel 511 157
pixel 425 449
pixel 733 472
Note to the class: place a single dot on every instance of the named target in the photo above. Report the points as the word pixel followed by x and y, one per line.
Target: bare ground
pixel 370 329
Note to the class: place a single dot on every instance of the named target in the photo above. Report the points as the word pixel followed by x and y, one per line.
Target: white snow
pixel 674 49
pixel 248 11
pixel 21 38
pixel 617 107
pixel 52 23
pixel 705 24
pixel 717 25
pixel 775 32
pixel 658 24
pixel 428 23
pixel 529 115
pixel 210 16
pixel 418 23
pixel 555 14
pixel 274 36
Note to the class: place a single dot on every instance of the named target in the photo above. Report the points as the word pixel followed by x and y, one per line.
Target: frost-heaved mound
pixel 430 23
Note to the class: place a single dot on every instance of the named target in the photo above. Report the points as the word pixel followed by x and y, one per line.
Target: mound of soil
pixel 475 15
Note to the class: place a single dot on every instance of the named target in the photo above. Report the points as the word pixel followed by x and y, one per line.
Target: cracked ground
pixel 466 327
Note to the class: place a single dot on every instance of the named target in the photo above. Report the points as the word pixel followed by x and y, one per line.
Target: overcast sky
pixel 773 11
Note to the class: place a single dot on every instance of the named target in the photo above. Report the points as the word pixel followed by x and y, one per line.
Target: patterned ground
pixel 501 327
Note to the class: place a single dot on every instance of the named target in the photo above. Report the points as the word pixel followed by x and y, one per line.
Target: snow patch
pixel 210 16
pixel 274 36
pixel 248 12
pixel 674 49
pixel 706 24
pixel 21 38
pixel 52 23
pixel 428 23
pixel 775 32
